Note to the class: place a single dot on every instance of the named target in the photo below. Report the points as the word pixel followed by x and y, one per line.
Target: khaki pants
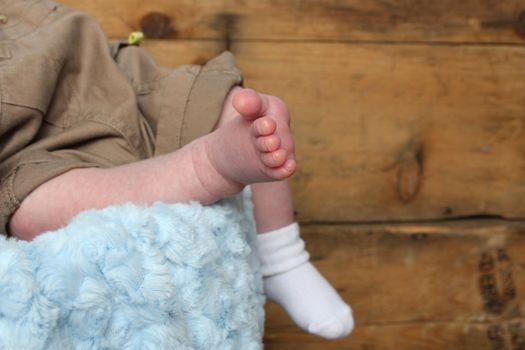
pixel 68 99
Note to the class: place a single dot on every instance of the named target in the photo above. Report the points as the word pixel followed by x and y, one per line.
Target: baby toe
pixel 264 126
pixel 268 143
pixel 274 159
pixel 284 171
pixel 248 103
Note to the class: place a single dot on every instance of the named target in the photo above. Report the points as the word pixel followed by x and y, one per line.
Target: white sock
pixel 294 283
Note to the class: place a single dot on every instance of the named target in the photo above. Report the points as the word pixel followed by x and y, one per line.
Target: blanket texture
pixel 177 276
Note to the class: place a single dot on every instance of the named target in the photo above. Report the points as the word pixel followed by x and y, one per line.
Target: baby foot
pixel 254 146
pixel 294 283
pixel 310 301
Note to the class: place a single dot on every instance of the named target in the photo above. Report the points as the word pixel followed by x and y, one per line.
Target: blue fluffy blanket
pixel 162 277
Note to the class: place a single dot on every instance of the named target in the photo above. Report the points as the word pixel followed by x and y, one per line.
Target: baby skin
pixel 250 145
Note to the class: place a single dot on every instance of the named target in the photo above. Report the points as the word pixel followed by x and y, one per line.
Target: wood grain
pixel 506 335
pixel 392 132
pixel 433 286
pixel 344 20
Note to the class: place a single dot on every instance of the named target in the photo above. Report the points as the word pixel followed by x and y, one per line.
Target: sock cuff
pixel 281 250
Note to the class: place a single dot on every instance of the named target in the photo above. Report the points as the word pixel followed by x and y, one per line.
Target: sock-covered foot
pixel 256 146
pixel 296 285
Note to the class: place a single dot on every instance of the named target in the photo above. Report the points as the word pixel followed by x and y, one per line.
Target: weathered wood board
pixel 392 132
pixel 507 335
pixel 457 285
pixel 384 131
pixel 309 20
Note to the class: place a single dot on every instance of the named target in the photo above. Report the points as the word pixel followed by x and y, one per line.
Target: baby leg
pixel 248 149
pixel 289 278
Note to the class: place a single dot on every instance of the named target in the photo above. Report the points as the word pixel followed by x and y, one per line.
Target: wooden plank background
pixel 475 21
pixel 408 116
pixel 457 285
pixel 390 125
pixel 393 132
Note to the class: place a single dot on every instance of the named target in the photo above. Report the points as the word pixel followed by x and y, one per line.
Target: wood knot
pixel 520 24
pixel 157 25
pixel 226 24
pixel 409 176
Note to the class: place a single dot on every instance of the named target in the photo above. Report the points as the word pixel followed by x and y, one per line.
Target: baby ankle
pixel 281 250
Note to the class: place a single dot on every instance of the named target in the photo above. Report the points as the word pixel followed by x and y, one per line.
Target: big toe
pixel 248 103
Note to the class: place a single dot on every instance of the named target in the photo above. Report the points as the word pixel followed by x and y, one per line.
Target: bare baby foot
pixel 254 146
